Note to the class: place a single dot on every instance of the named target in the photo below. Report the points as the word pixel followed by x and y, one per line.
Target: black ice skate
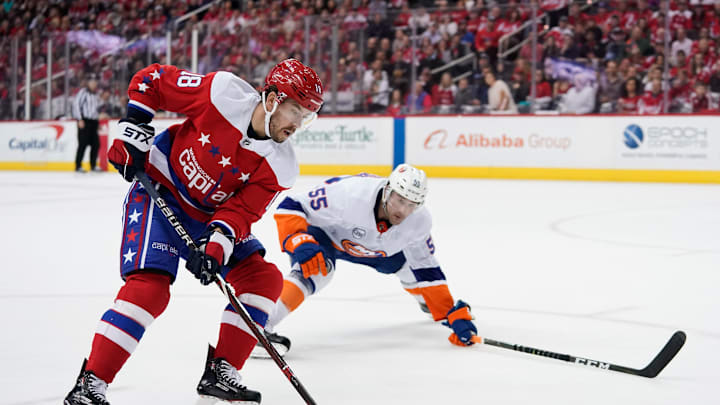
pixel 221 381
pixel 281 344
pixel 88 390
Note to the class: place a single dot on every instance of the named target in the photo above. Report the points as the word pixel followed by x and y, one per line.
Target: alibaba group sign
pixel 436 139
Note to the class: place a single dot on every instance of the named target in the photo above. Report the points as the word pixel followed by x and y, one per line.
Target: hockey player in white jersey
pixel 375 221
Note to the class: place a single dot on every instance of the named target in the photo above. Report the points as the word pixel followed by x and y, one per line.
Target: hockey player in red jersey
pixel 219 170
pixel 374 221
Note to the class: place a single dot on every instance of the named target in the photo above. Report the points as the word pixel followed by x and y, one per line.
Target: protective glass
pixel 298 115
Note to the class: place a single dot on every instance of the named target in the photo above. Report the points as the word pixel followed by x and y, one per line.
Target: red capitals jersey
pixel 628 104
pixel 215 170
pixel 442 95
pixel 650 103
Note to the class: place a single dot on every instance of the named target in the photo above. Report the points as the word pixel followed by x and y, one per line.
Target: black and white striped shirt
pixel 85 105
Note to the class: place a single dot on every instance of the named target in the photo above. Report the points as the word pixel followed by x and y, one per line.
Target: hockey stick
pixel 672 347
pixel 225 288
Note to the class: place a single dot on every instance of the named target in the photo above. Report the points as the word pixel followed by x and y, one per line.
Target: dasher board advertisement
pixel 603 142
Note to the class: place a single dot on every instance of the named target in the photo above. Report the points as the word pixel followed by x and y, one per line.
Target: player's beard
pixel 279 134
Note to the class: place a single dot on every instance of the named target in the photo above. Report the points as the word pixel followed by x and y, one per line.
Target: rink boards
pixel 669 148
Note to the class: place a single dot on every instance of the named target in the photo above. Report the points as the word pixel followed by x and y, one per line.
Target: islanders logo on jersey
pixel 358 250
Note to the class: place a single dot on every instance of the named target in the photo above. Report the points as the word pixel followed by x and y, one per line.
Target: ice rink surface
pixel 601 270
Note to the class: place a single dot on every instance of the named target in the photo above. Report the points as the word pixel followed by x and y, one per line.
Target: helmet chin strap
pixel 268 114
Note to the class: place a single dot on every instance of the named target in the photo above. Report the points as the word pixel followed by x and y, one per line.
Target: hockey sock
pixel 236 341
pixel 142 299
pixel 257 284
pixel 292 294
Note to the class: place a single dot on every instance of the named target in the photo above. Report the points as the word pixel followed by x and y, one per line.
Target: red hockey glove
pixel 305 250
pixel 128 151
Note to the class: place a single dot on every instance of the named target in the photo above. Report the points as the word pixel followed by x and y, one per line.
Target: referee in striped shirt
pixel 85 111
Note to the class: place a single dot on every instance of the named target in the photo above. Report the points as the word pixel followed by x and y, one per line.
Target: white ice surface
pixel 601 270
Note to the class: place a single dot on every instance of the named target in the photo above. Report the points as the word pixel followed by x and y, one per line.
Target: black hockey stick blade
pixel 672 347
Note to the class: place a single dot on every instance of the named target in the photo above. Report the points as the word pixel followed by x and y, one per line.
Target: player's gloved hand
pixel 128 151
pixel 307 252
pixel 459 320
pixel 214 251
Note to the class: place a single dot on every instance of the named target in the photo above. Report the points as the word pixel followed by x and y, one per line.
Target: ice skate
pixel 281 344
pixel 88 390
pixel 221 382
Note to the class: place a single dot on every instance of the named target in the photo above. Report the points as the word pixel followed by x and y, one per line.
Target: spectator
pixel 379 90
pixel 570 47
pixel 499 95
pixel 521 79
pixel 639 40
pixel 457 50
pixel 418 100
pixel 610 84
pixel 643 11
pixel 444 92
pixel 680 93
pixel 465 95
pixel 682 43
pixel 715 78
pixel 447 26
pixel 580 98
pixel 354 21
pixel 616 48
pixel 108 107
pixel 705 50
pixel 420 20
pixel 487 37
pixel 512 23
pixel 543 90
pixel 627 104
pixel 680 63
pixel 681 17
pixel 561 30
pixel 400 72
pixel 430 57
pixel 378 7
pixel 592 27
pixel 369 75
pixel 396 107
pixel 652 101
pixel 432 33
pixel 700 99
pixel 467 37
pixel 575 15
pixel 655 73
pixel 551 48
pixel 378 27
pixel 698 70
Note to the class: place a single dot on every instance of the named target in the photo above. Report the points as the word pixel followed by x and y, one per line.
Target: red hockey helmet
pixel 297 81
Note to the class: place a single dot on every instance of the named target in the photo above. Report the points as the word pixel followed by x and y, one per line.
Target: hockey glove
pixel 459 320
pixel 307 252
pixel 214 251
pixel 128 151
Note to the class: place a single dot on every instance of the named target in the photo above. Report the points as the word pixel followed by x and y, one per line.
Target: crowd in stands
pixel 590 57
